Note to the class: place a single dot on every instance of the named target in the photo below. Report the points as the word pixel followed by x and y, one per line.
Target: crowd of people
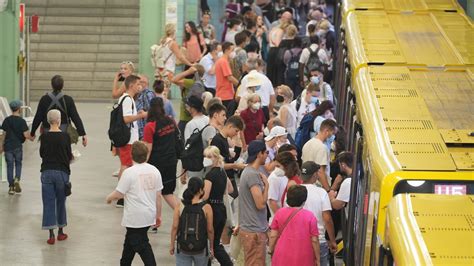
pixel 263 160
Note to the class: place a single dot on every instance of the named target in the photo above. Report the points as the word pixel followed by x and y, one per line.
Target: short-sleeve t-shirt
pixel 315 150
pixel 318 202
pixel 224 88
pixel 253 123
pixel 198 122
pixel 266 89
pixel 218 178
pixel 14 127
pixel 183 114
pixel 251 219
pixel 276 187
pixel 165 130
pixel 129 108
pixel 345 191
pixel 139 184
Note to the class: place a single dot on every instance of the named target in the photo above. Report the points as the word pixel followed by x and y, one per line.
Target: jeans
pixel 54 198
pixel 13 159
pixel 324 254
pixel 255 247
pixel 136 241
pixel 183 259
pixel 220 217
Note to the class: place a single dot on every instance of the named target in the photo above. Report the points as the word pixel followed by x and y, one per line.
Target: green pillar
pixel 152 25
pixel 9 50
pixel 470 8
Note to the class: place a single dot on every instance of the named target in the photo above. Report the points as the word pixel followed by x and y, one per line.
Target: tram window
pixel 447 187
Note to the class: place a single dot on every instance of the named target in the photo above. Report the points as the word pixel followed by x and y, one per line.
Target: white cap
pixel 276 131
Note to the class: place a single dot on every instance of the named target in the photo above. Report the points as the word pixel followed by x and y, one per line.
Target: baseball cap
pixel 308 169
pixel 276 131
pixel 15 105
pixel 195 102
pixel 255 147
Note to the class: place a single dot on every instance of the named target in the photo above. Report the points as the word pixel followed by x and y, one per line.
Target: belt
pixel 214 201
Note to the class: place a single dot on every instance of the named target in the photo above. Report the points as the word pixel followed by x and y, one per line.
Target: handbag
pixel 68 189
pixel 70 129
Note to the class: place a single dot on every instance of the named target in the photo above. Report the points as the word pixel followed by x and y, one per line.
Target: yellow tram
pixel 405 90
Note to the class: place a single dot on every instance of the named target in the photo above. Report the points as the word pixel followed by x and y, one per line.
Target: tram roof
pixel 401 5
pixel 427 39
pixel 429 229
pixel 419 119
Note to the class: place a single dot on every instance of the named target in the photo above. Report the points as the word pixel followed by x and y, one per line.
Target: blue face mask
pixel 258 88
pixel 329 141
pixel 314 99
pixel 315 80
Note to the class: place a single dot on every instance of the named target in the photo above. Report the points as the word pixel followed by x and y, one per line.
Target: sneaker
pixel 119 203
pixel 116 173
pixel 17 186
pixel 11 190
pixel 153 230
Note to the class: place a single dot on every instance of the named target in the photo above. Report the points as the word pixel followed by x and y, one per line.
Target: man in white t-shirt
pixel 130 117
pixel 340 199
pixel 305 55
pixel 266 91
pixel 141 187
pixel 277 182
pixel 318 203
pixel 305 103
pixel 315 150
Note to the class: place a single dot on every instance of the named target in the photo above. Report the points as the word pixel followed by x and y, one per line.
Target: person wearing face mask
pixel 287 113
pixel 341 198
pixel 216 183
pixel 225 81
pixel 233 27
pixel 305 103
pixel 209 63
pixel 317 79
pixel 285 163
pixel 315 150
pixel 312 57
pixel 273 142
pixel 253 118
pixel 324 111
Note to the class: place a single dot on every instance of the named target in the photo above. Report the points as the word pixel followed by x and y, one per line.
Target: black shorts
pixel 168 175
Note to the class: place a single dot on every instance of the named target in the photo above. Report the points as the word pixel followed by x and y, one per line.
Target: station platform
pixel 95 234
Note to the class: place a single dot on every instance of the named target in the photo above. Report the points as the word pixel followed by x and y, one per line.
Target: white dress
pixel 290 119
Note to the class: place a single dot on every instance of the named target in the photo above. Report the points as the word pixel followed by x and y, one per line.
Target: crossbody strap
pixel 280 232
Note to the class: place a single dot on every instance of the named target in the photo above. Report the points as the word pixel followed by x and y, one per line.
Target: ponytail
pixel 195 185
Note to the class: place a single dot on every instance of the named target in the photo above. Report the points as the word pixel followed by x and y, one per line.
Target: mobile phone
pixel 121 78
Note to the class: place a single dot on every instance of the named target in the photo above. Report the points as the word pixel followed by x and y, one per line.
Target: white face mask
pixel 333 146
pixel 206 162
pixel 266 131
pixel 279 172
pixel 256 106
pixel 219 54
pixel 232 55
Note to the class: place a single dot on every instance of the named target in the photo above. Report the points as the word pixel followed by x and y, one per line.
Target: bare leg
pixel 171 200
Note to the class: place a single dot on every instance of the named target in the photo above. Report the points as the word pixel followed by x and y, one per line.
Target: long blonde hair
pixel 170 31
pixel 216 153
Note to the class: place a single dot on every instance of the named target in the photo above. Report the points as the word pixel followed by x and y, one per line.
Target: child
pixel 141 187
pixel 16 132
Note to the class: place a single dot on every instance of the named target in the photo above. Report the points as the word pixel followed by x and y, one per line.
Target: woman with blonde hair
pixel 126 69
pixel 287 113
pixel 216 183
pixel 166 64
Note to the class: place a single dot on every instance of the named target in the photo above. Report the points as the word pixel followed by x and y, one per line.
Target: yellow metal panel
pixel 464 160
pixel 460 31
pixel 428 229
pixel 421 40
pixel 457 136
pixel 406 121
pixel 449 96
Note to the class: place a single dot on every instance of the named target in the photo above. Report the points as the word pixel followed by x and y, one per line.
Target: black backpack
pixel 314 61
pixel 192 155
pixel 292 68
pixel 192 229
pixel 119 131
pixel 197 89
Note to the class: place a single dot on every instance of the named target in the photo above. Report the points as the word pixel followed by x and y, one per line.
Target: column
pixel 9 50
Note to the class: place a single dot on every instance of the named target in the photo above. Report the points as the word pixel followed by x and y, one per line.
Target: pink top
pixel 193 51
pixel 294 246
